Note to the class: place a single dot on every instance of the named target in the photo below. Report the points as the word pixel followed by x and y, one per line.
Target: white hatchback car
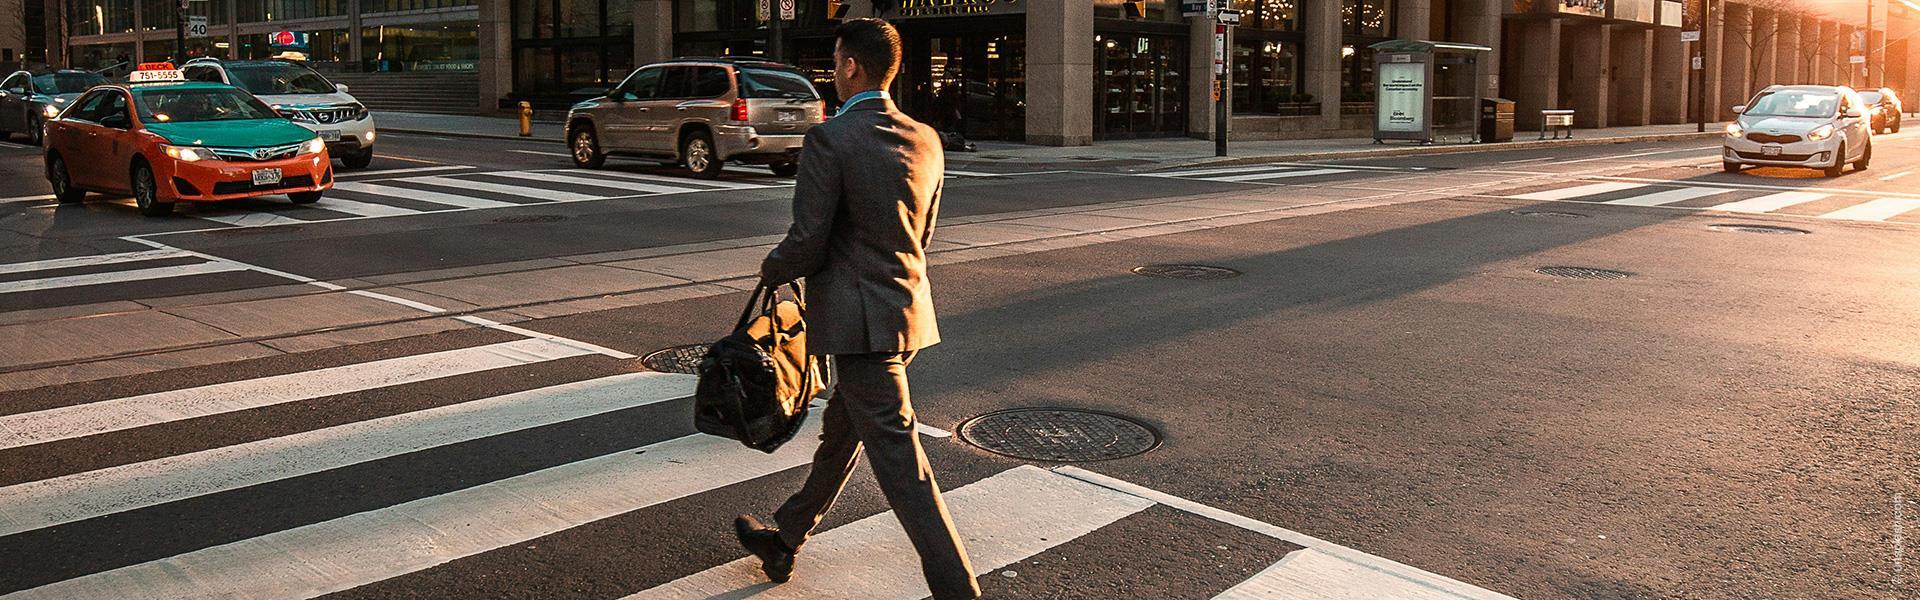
pixel 304 97
pixel 1815 126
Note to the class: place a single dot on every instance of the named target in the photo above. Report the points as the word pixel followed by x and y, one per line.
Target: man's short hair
pixel 873 43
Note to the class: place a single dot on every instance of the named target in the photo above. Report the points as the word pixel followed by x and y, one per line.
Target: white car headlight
pixel 50 111
pixel 189 153
pixel 1735 130
pixel 313 146
pixel 1820 133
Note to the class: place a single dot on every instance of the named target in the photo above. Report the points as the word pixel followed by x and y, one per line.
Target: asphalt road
pixel 428 385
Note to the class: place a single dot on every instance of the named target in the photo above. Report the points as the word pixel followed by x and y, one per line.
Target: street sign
pixel 1230 17
pixel 1689 36
pixel 787 10
pixel 765 12
pixel 1857 59
pixel 1697 64
pixel 1193 8
pixel 196 27
pixel 1220 50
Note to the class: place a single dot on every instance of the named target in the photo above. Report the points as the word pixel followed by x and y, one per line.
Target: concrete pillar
pixel 1322 46
pixel 1876 58
pixel 496 53
pixel 1584 75
pixel 1059 73
pixel 652 31
pixel 1478 22
pixel 1786 61
pixel 1537 86
pixel 1415 21
pixel 1671 75
pixel 1200 79
pixel 1631 81
pixel 1735 88
pixel 233 29
pixel 139 54
pixel 355 37
pixel 1761 43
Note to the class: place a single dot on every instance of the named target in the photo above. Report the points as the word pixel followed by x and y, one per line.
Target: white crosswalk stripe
pixel 1879 209
pixel 53 282
pixel 365 209
pixel 516 190
pixel 1857 207
pixel 454 200
pixel 1592 189
pixel 612 187
pixel 1280 175
pixel 1769 202
pixel 1666 197
pixel 1262 173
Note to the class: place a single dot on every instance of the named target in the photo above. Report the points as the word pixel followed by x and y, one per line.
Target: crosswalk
pixel 1836 205
pixel 1284 173
pixel 436 477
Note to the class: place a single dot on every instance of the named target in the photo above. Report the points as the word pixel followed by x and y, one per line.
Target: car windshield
pixel 54 84
pixel 761 82
pixel 1870 97
pixel 200 104
pixel 1794 103
pixel 274 80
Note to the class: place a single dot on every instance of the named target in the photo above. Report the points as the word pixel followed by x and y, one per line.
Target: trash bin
pixel 1496 120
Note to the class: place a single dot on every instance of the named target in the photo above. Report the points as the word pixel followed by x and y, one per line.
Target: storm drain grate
pixel 1059 434
pixel 1550 214
pixel 1762 229
pixel 1188 272
pixel 1582 273
pixel 678 359
pixel 531 219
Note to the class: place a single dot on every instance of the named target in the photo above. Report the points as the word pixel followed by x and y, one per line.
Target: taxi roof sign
pixel 155 66
pixel 168 75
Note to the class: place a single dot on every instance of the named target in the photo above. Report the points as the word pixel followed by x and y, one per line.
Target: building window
pixel 573 48
pixel 1270 15
pixel 1356 73
pixel 255 11
pixel 380 6
pixel 1367 18
pixel 421 47
pixel 1139 86
pixel 1266 79
pixel 100 17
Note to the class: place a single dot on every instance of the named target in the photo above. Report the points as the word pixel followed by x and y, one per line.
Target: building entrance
pixel 971 83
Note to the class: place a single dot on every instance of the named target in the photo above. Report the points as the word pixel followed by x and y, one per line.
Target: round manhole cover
pixel 531 219
pixel 1555 214
pixel 1188 272
pixel 1059 434
pixel 678 359
pixel 1582 273
pixel 1764 229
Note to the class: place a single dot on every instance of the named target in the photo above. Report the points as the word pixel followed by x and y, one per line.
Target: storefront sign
pixel 1689 36
pixel 910 9
pixel 1592 8
pixel 1402 100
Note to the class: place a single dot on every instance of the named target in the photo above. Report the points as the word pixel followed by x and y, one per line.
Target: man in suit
pixel 863 211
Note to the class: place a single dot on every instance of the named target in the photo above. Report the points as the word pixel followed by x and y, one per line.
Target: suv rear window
pixel 762 82
pixel 272 80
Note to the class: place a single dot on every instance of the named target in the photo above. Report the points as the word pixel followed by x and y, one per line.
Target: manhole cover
pixel 1582 273
pixel 1058 434
pixel 1190 272
pixel 531 219
pixel 1550 214
pixel 678 359
pixel 1766 229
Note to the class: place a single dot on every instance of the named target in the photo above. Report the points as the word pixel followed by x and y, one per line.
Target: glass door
pixel 1139 86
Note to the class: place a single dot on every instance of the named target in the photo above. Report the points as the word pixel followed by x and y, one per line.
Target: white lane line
pixel 1668 196
pixel 405 171
pixel 90 260
pixel 539 153
pixel 1579 191
pixel 1769 202
pixel 1221 171
pixel 712 183
pixel 356 550
pixel 1876 210
pixel 27 285
pixel 973 173
pixel 1525 160
pixel 1005 518
pixel 1313 575
pixel 1432 581
pixel 1638 154
pixel 50 502
pixel 423 196
pixel 628 188
pixel 364 209
pixel 250 219
pixel 18 146
pixel 1897 175
pixel 81 420
pixel 413 304
pixel 27 198
pixel 516 190
pixel 1266 176
pixel 594 348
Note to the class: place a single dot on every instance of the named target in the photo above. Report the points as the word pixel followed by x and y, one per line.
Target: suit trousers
pixel 871 409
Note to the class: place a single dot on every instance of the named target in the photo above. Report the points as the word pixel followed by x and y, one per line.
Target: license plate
pixel 789 116
pixel 266 176
pixel 329 135
pixel 1770 150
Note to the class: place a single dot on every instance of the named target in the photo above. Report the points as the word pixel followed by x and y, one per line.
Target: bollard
pixel 526 119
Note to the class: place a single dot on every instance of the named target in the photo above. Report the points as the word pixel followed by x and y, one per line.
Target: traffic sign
pixel 1230 17
pixel 1193 8
pixel 196 26
pixel 1857 59
pixel 1689 36
pixel 1697 64
pixel 787 10
pixel 765 12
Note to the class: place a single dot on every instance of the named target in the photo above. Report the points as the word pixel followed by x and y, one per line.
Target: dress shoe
pixel 776 559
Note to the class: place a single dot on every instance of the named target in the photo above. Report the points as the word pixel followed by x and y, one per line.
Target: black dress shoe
pixel 776 559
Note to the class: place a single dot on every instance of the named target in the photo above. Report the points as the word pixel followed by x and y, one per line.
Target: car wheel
pixel 586 148
pixel 146 192
pixel 1865 158
pixel 785 169
pixel 358 160
pixel 36 131
pixel 697 151
pixel 1730 167
pixel 62 183
pixel 1839 162
pixel 305 197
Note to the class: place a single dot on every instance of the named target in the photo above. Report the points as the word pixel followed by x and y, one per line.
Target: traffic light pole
pixel 180 33
pixel 1700 73
pixel 1221 88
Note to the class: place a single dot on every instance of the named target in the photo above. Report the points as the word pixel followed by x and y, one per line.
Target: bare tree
pixel 1758 37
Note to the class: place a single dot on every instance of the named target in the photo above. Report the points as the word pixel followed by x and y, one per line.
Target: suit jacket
pixel 864 204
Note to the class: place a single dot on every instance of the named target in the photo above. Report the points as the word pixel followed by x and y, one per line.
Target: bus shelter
pixel 1427 91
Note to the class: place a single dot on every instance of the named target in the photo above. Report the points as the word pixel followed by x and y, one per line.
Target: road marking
pixel 412 160
pixel 364 209
pixel 621 186
pixel 1221 171
pixel 420 306
pixel 28 285
pixel 972 173
pixel 1524 160
pixel 1769 202
pixel 1876 210
pixel 1579 191
pixel 1005 518
pixel 18 146
pixel 1897 175
pixel 404 171
pixel 27 198
pixel 539 153
pixel 423 196
pixel 1313 575
pixel 50 502
pixel 1755 186
pixel 81 420
pixel 250 219
pixel 356 550
pixel 590 347
pixel 730 185
pixel 1668 196
pixel 516 190
pixel 90 260
pixel 1638 154
pixel 1283 174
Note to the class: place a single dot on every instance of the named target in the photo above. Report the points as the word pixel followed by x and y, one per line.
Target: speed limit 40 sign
pixel 196 27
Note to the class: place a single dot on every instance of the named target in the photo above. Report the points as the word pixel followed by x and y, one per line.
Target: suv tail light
pixel 739 109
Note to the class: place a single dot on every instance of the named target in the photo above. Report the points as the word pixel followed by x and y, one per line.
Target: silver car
pixel 700 113
pixel 28 101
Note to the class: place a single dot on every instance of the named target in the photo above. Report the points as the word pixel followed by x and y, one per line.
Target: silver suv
pixel 700 113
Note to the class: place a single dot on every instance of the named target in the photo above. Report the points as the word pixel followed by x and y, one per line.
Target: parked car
pixel 1816 126
pixel 1884 106
pixel 303 96
pixel 27 100
pixel 163 139
pixel 700 113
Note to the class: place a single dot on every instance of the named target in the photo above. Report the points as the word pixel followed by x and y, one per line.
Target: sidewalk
pixel 1148 154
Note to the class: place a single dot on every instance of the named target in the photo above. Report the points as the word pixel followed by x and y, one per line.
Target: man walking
pixel 863 211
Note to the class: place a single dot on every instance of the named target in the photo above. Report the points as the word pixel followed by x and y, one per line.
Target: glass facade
pixel 971 83
pixel 436 47
pixel 101 56
pixel 255 11
pixel 100 17
pixel 1140 86
pixel 570 48
pixel 1362 24
pixel 384 6
pixel 1268 60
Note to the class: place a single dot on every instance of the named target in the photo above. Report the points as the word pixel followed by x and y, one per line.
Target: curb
pixel 1452 149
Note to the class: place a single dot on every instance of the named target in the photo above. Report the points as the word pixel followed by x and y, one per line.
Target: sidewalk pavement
pixel 1149 154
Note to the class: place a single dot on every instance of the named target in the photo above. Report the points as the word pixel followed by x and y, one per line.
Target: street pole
pixel 1866 49
pixel 1700 74
pixel 1221 88
pixel 180 32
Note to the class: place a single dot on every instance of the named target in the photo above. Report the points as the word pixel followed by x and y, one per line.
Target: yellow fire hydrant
pixel 526 119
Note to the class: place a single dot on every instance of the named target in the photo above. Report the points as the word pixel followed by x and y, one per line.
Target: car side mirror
pixel 615 95
pixel 1739 109
pixel 1854 113
pixel 116 121
pixel 340 87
